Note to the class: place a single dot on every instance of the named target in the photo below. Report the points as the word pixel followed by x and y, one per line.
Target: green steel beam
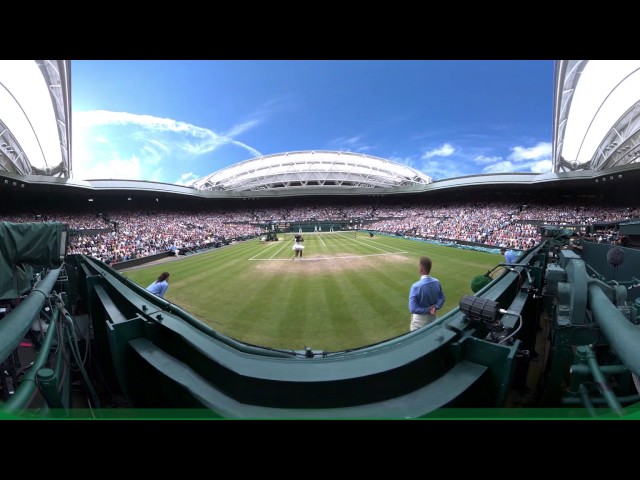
pixel 25 392
pixel 623 336
pixel 18 322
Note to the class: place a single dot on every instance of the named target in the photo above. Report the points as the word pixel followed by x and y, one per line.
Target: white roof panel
pixel 329 169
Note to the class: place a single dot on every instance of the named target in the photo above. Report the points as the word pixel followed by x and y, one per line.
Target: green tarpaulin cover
pixel 24 246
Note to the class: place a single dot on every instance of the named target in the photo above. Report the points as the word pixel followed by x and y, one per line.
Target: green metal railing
pixel 25 392
pixel 17 323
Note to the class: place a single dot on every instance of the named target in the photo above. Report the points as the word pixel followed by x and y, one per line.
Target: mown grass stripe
pixel 344 294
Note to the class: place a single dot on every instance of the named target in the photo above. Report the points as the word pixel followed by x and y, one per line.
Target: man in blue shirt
pixel 426 297
pixel 510 256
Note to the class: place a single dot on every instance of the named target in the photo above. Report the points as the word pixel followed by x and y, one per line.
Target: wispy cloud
pixel 445 150
pixel 187 179
pixel 114 168
pixel 355 143
pixel 439 169
pixel 143 147
pixel 449 161
pixel 241 128
pixel 504 166
pixel 541 150
pixel 543 166
pixel 536 159
pixel 445 161
pixel 449 167
pixel 482 160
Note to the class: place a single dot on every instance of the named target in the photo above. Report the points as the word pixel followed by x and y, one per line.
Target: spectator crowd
pixel 117 236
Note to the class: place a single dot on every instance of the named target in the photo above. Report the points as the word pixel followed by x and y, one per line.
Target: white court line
pixel 369 245
pixel 309 259
pixel 378 242
pixel 284 245
pixel 339 244
pixel 350 240
pixel 270 246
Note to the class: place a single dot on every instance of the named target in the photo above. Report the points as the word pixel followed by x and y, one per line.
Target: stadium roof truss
pixel 621 146
pixel 316 169
pixel 12 157
pixel 597 112
pixel 596 126
pixel 56 74
pixel 13 151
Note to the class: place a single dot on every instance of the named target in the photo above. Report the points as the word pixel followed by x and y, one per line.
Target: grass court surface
pixel 350 290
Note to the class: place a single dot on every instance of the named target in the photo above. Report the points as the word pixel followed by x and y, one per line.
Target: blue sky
pixel 175 121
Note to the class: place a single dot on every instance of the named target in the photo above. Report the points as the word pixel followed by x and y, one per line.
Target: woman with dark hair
pixel 298 247
pixel 160 286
